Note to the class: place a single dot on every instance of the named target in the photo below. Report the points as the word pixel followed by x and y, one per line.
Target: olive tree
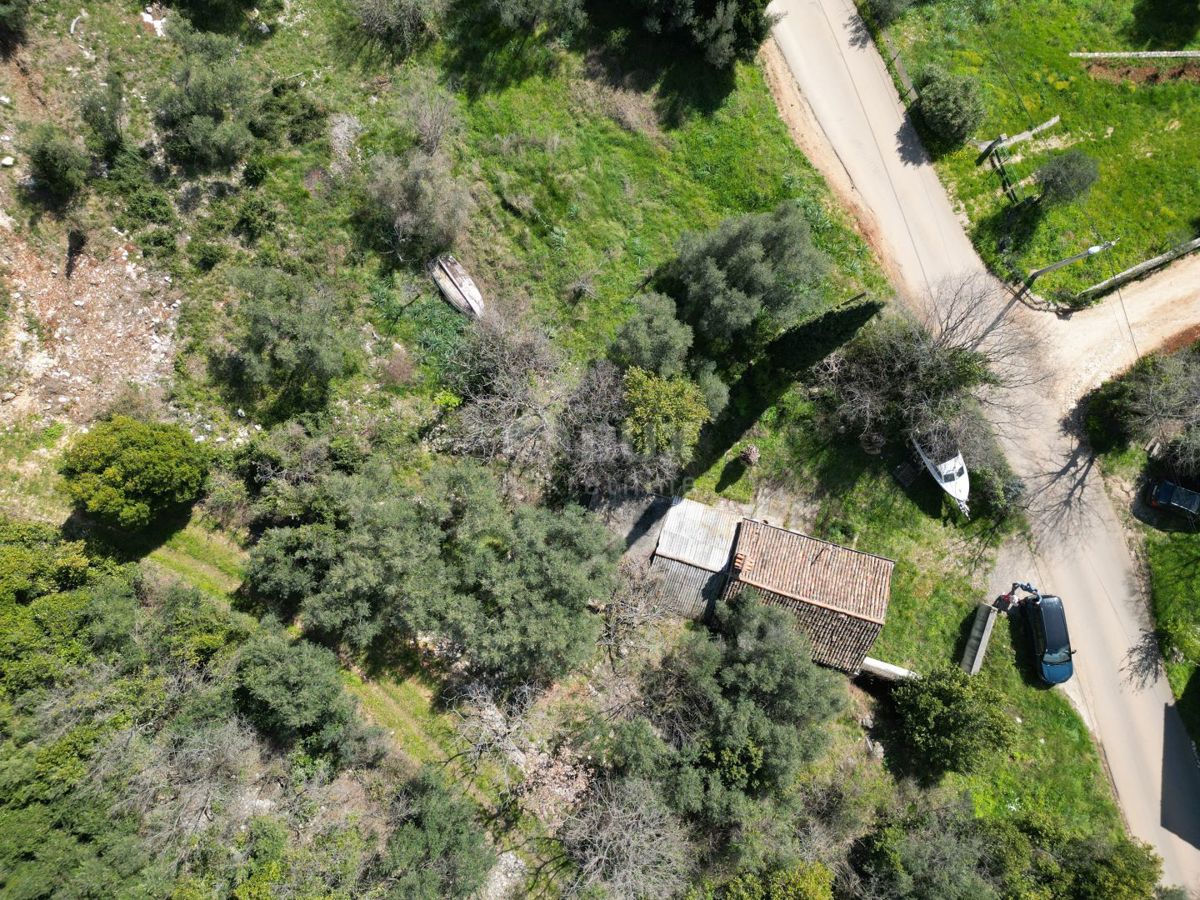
pixel 422 206
pixel 653 338
pixel 950 106
pixel 1067 177
pixel 749 278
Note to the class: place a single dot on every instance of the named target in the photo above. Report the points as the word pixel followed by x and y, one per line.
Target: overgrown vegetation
pixel 133 763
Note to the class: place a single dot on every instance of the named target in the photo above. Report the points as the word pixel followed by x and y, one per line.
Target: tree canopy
pixel 437 848
pixel 723 30
pixel 951 721
pixel 127 472
pixel 950 105
pixel 731 715
pixel 508 590
pixel 289 344
pixel 653 338
pixel 749 278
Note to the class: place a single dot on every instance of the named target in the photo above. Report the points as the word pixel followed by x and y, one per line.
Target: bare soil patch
pixel 71 345
pixel 1144 74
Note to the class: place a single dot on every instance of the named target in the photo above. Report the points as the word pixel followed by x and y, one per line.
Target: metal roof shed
pixel 692 556
pixel 839 596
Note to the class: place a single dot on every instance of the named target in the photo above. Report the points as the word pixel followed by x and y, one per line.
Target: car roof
pixel 1054 619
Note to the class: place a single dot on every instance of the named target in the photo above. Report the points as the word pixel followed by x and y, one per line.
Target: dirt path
pixel 839 100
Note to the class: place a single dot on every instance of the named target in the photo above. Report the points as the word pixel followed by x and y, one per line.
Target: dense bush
pixel 804 881
pixel 748 279
pixel 664 415
pixel 888 11
pixel 292 691
pixel 401 26
pixel 730 716
pixel 59 166
pixel 653 339
pixel 924 851
pixel 423 207
pixel 290 342
pixel 951 721
pixel 950 105
pixel 723 30
pixel 202 109
pixel 1067 177
pixel 437 848
pixel 557 16
pixel 127 472
pixel 507 591
pixel 287 111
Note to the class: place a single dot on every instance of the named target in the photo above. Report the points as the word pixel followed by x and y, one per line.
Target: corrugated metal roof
pixel 688 590
pixel 813 571
pixel 698 535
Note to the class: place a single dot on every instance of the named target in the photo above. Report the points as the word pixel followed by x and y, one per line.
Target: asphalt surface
pixel 849 119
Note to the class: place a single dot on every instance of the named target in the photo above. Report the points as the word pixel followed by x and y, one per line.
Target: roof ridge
pixel 817 539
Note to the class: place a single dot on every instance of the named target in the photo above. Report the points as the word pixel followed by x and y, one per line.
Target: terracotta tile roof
pixel 812 571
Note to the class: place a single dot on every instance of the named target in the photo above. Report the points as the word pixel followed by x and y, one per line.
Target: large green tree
pixel 731 715
pixel 127 472
pixel 748 279
pixel 508 589
pixel 723 30
pixel 951 721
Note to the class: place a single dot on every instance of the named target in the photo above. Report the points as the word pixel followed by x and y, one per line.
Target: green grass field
pixel 1142 133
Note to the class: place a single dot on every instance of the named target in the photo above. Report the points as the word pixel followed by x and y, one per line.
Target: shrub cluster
pixel 128 472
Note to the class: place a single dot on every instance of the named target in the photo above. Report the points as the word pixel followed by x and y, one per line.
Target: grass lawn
pixel 939 578
pixel 1142 133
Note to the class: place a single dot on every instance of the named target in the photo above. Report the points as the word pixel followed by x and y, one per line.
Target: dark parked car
pixel 1051 643
pixel 1167 495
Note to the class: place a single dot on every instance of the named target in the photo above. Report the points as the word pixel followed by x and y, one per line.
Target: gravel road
pixel 842 107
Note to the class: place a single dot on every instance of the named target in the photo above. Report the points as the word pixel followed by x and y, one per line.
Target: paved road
pixel 847 104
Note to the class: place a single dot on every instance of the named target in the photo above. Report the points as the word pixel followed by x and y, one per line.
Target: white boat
pixel 456 286
pixel 950 474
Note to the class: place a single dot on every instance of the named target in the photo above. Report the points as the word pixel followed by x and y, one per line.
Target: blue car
pixel 1051 642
